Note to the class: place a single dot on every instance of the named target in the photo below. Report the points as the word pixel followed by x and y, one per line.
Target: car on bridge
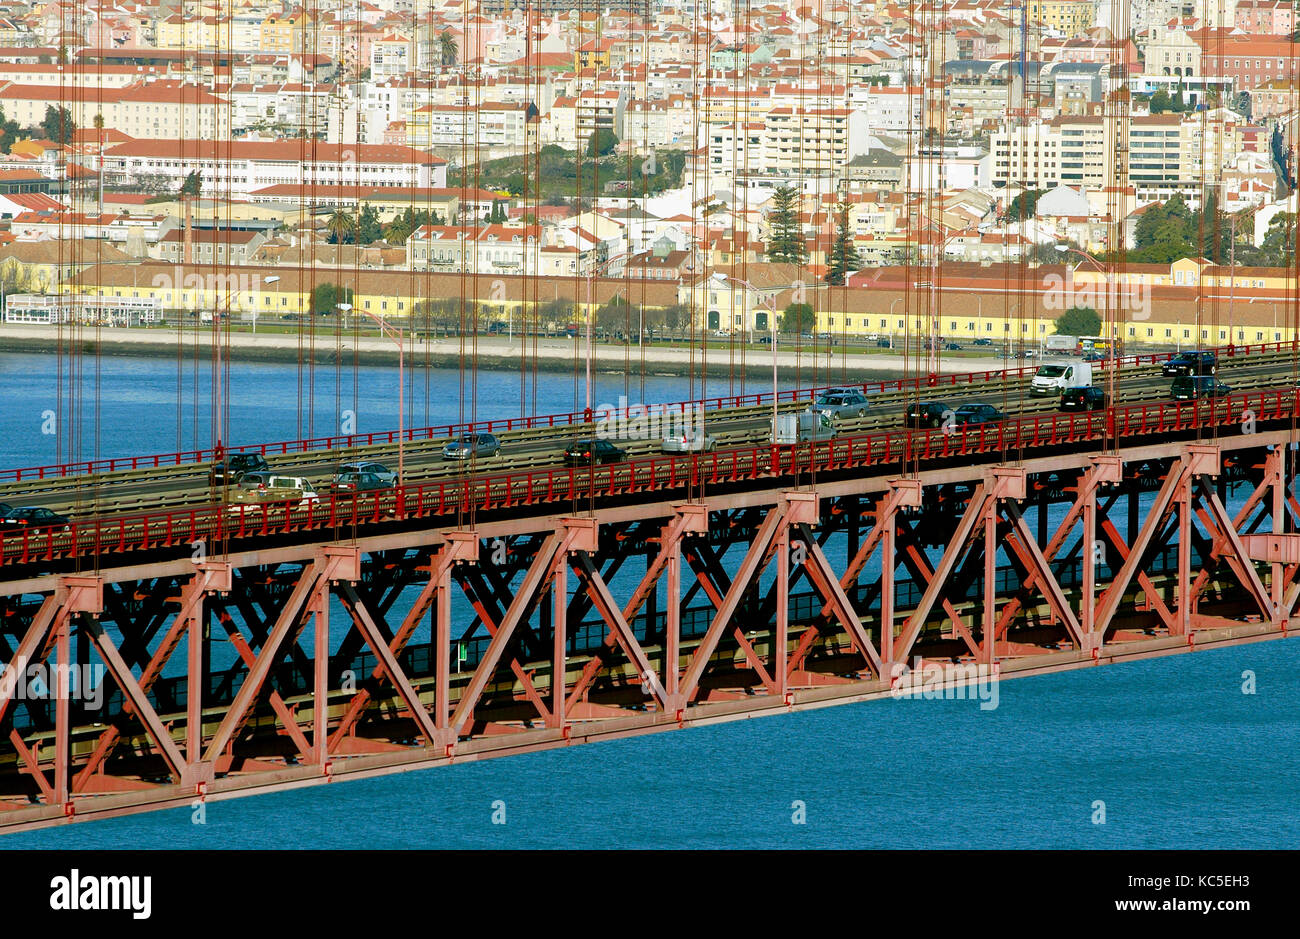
pixel 1083 399
pixel 264 486
pixel 468 446
pixel 32 518
pixel 692 440
pixel 359 482
pixel 838 403
pixel 368 466
pixel 1192 362
pixel 926 413
pixel 592 450
pixel 975 415
pixel 1194 387
pixel 233 468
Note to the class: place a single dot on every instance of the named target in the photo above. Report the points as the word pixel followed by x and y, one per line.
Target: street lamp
pixel 770 304
pixel 1111 352
pixel 936 326
pixel 397 338
pixel 590 316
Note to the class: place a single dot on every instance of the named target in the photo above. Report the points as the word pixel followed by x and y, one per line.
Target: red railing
pixel 342 442
pixel 650 474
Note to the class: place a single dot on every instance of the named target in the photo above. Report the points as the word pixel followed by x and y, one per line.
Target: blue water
pixel 50 415
pixel 1179 756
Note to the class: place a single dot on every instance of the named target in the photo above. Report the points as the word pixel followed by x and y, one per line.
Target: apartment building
pixel 505 128
pixel 1264 17
pixel 243 166
pixel 490 249
pixel 1071 17
pixel 208 246
pixel 162 109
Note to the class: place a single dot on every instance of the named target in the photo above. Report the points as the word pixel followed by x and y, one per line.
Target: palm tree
pixel 448 47
pixel 342 227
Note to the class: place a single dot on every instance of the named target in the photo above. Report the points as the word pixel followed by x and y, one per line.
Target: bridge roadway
pixel 123 510
pixel 134 491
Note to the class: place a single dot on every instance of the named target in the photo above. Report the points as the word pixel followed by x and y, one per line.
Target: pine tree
pixel 844 258
pixel 369 228
pixel 785 243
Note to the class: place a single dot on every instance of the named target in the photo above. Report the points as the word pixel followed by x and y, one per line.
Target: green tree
pixel 798 318
pixel 601 142
pixel 192 186
pixel 844 258
pixel 1161 102
pixel 369 229
pixel 785 241
pixel 1078 321
pixel 326 297
pixel 57 124
pixel 397 231
pixel 8 132
pixel 447 48
pixel 341 228
pixel 1023 206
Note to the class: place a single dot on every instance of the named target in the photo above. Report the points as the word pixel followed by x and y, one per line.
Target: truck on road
pixel 801 427
pixel 1054 377
pixel 1061 345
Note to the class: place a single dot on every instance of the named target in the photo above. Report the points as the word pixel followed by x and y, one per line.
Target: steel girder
pixel 987 578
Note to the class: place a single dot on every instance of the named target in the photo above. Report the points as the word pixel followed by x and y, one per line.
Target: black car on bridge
pixel 592 450
pixel 1086 398
pixel 1197 362
pixel 234 467
pixel 926 413
pixel 974 415
pixel 32 518
pixel 1193 387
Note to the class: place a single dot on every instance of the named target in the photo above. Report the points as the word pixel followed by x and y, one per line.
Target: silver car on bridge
pixel 840 403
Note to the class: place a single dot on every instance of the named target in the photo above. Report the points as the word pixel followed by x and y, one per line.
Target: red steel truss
pixel 1140 556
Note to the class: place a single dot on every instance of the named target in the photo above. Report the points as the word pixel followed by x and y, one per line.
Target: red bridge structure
pixel 252 648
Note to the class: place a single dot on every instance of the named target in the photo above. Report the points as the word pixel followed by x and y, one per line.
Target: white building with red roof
pixel 239 167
